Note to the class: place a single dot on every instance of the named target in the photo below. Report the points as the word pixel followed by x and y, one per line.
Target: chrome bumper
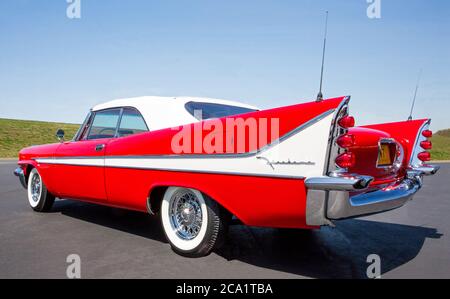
pixel 19 173
pixel 326 202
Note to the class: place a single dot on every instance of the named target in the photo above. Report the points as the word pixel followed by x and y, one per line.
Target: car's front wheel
pixel 38 196
pixel 193 223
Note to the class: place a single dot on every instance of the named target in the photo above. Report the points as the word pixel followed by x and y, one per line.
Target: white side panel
pixel 300 155
pixel 309 145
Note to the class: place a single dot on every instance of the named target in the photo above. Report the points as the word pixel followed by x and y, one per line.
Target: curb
pixel 8 160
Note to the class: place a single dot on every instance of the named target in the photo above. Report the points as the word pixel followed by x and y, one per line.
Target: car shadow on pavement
pixel 339 252
pixel 137 223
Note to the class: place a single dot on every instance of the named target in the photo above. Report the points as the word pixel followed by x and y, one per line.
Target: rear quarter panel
pixel 256 200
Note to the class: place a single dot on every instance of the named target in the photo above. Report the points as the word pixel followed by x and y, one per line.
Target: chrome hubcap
pixel 186 214
pixel 35 188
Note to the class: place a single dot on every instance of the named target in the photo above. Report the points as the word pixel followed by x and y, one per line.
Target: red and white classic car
pixel 199 162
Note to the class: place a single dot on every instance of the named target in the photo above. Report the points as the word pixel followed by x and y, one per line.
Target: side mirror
pixel 60 135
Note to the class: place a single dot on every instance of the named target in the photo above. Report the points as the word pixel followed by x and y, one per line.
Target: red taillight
pixel 427 133
pixel 347 122
pixel 426 145
pixel 345 160
pixel 346 140
pixel 424 156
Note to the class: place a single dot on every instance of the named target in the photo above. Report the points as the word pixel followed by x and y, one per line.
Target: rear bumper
pixel 19 173
pixel 327 204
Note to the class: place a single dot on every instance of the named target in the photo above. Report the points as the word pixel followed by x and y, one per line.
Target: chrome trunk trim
pixel 347 182
pixel 427 169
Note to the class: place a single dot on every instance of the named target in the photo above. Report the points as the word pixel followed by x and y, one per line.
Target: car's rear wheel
pixel 193 223
pixel 38 196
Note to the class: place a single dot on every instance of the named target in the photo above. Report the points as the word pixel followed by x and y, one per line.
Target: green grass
pixel 441 145
pixel 17 134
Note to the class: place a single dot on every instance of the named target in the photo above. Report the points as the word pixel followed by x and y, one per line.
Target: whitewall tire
pixel 39 198
pixel 193 223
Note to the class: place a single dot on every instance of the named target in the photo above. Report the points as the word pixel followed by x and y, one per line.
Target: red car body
pixel 313 177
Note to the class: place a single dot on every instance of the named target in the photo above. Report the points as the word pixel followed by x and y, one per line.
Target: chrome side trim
pixel 235 173
pixel 262 175
pixel 19 173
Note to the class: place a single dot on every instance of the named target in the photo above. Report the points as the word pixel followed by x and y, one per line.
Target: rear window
pixel 201 110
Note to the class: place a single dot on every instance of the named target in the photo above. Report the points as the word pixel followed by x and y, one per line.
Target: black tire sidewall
pixel 46 199
pixel 214 228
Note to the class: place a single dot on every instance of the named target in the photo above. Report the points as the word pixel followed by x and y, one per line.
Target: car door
pixel 80 162
pixel 126 187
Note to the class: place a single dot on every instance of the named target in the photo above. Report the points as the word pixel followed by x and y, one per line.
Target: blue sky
pixel 266 53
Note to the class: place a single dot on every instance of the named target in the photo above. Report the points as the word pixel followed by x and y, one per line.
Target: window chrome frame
pixel 94 113
pixel 82 127
pixel 120 120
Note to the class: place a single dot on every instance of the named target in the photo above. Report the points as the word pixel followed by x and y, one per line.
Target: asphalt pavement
pixel 412 242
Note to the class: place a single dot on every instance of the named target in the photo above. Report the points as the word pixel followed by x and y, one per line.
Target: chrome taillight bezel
pixel 414 161
pixel 398 161
pixel 334 149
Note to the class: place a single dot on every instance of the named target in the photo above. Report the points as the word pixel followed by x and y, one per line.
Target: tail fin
pixel 410 135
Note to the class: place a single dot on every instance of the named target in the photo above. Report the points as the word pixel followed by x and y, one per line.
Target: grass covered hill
pixel 441 145
pixel 16 134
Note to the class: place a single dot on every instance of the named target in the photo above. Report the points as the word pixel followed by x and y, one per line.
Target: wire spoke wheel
pixel 191 221
pixel 186 214
pixel 36 188
pixel 39 198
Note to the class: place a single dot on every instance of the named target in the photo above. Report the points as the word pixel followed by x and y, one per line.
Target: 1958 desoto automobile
pixel 198 162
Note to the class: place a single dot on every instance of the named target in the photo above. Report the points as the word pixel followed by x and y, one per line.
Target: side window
pixel 104 124
pixel 213 110
pixel 131 123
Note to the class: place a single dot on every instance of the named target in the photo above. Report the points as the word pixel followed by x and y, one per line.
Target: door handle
pixel 99 147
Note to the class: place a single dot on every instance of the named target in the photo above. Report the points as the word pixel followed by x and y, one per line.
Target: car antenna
pixel 415 95
pixel 320 95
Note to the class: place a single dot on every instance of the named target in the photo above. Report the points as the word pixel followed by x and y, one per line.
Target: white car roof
pixel 165 112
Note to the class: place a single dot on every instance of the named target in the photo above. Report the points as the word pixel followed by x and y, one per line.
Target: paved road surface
pixel 413 241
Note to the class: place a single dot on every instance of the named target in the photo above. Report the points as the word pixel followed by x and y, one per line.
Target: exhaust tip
pixel 363 182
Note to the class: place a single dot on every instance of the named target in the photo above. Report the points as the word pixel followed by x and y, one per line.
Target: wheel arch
pixel 157 191
pixel 27 166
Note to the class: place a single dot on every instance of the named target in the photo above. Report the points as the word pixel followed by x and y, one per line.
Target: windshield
pixel 81 131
